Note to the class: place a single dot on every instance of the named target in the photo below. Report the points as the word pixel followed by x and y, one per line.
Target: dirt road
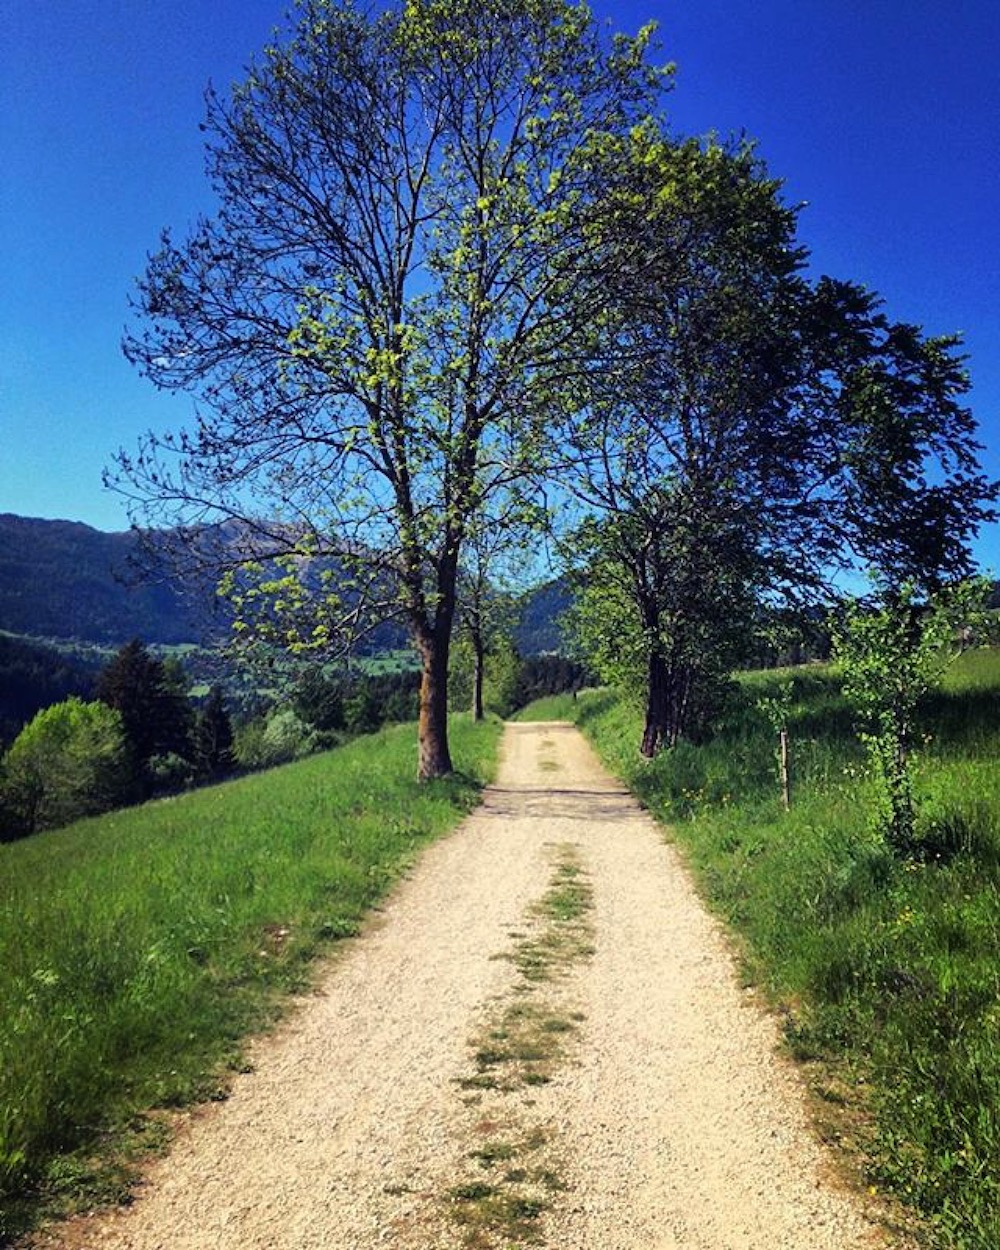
pixel 504 1059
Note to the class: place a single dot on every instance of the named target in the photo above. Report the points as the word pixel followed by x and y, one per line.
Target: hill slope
pixel 63 579
pixel 538 631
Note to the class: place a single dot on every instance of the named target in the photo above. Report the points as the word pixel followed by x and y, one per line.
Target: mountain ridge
pixel 68 581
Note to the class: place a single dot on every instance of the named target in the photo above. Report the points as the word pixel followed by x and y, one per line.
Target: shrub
pixel 891 656
pixel 286 737
pixel 318 700
pixel 276 739
pixel 169 773
pixel 70 761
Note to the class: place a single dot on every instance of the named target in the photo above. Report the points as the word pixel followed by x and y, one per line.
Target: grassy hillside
pixel 137 949
pixel 887 971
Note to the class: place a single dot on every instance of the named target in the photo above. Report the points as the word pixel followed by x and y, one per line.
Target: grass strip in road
pixel 885 970
pixel 527 1036
pixel 139 948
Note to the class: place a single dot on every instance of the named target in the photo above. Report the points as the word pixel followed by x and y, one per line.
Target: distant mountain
pixel 62 579
pixel 537 631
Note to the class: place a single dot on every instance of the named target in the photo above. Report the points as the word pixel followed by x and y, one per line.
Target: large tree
pixel 71 760
pixel 377 312
pixel 150 697
pixel 745 434
pixel 892 444
pixel 683 450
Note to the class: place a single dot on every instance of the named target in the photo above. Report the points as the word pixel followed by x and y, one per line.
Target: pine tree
pixel 213 737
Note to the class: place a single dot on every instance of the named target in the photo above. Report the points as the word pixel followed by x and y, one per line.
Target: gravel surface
pixel 672 1120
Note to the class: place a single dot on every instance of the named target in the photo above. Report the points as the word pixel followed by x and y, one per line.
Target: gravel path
pixel 670 1120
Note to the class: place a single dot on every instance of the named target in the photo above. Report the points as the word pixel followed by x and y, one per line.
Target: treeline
pixel 132 731
pixel 541 675
pixel 136 733
pixel 34 676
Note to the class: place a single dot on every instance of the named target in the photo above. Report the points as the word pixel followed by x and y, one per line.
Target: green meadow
pixel 885 971
pixel 138 949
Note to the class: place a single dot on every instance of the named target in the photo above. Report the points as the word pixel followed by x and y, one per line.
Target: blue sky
pixel 881 115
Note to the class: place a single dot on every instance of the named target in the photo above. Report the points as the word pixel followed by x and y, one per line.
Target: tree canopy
pixel 70 761
pixel 460 260
pixel 374 318
pixel 680 450
pixel 150 697
pixel 744 434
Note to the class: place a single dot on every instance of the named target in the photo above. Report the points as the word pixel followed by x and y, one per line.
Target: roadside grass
pixel 138 949
pixel 552 707
pixel 886 971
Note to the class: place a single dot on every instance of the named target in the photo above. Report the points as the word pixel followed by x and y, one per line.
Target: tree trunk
pixel 434 758
pixel 477 676
pixel 668 703
pixel 657 705
pixel 786 775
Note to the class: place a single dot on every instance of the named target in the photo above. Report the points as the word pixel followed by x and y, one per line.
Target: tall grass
pixel 138 948
pixel 887 970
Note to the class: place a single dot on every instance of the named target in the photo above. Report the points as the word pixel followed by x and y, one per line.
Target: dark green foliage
pixel 13 818
pixel 213 738
pixel 788 635
pixel 275 737
pixel 380 699
pixel 148 695
pixel 909 494
pixel 541 675
pixel 318 700
pixel 34 676
pixel 748 432
pixel 684 455
pixel 324 707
